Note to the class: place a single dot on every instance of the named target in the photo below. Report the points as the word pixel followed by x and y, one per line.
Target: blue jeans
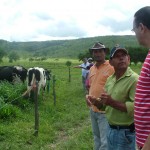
pixel 99 127
pixel 120 139
pixel 83 83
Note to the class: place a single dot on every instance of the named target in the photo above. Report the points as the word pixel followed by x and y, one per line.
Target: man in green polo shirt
pixel 119 101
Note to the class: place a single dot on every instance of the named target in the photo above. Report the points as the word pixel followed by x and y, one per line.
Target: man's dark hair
pixel 143 16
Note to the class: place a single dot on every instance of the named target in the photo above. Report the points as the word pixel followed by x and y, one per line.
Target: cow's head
pixel 20 72
pixel 48 74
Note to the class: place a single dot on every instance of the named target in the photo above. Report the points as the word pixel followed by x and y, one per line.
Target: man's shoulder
pixel 107 64
pixel 109 67
pixel 134 75
pixel 110 78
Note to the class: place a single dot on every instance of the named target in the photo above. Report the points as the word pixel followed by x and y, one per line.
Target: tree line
pixel 76 48
pixel 137 54
pixel 12 56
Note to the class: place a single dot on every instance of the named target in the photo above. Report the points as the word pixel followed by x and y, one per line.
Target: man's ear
pixel 142 27
pixel 128 59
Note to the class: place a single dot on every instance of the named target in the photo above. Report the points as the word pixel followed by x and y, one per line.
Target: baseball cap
pixel 90 59
pixel 117 48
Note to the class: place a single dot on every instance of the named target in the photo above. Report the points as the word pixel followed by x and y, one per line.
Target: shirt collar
pixel 105 63
pixel 128 73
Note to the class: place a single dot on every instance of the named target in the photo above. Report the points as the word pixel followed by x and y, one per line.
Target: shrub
pixel 11 99
pixel 9 111
pixel 133 63
pixel 139 63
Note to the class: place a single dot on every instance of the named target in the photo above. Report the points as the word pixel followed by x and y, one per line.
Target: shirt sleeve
pixel 130 108
pixel 130 103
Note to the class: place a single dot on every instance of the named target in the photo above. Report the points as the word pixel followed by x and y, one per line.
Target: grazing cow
pixel 39 75
pixel 13 73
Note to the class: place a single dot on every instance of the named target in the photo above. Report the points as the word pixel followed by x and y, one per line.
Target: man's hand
pixel 105 98
pixel 88 101
pixel 147 144
pixel 95 101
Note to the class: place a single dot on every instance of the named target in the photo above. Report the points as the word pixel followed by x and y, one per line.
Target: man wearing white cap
pixel 84 66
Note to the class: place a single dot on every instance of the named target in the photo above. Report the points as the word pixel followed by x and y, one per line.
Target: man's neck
pixel 98 63
pixel 119 73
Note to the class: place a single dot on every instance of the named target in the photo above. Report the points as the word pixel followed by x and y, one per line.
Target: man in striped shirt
pixel 141 27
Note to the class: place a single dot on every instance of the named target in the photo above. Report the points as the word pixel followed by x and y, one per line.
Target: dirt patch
pixel 62 135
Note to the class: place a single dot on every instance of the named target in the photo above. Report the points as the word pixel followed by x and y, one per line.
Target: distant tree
pixel 37 59
pixel 31 59
pixel 13 56
pixel 2 54
pixel 84 55
pixel 68 64
pixel 43 58
pixel 36 54
pixel 137 53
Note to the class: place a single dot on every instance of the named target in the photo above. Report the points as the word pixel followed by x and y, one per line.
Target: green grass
pixel 64 126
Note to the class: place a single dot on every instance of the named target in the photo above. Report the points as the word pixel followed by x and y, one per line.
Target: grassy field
pixel 64 126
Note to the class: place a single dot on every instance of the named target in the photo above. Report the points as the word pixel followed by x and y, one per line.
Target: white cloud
pixel 34 20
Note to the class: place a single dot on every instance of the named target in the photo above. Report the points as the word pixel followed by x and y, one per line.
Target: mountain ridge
pixel 66 48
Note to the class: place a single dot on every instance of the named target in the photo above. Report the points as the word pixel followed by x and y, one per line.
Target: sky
pixel 42 20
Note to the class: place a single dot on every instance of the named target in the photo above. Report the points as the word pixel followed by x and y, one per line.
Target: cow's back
pixel 6 73
pixel 13 73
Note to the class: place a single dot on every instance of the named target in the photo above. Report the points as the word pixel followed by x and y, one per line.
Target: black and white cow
pixel 13 73
pixel 39 75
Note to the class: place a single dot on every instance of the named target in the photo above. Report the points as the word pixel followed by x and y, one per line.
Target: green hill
pixel 65 48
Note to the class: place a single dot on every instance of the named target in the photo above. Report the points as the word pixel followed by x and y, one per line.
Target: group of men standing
pixel 118 98
pixel 111 99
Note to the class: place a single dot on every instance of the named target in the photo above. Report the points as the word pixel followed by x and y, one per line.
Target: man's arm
pixel 80 67
pixel 107 100
pixel 76 67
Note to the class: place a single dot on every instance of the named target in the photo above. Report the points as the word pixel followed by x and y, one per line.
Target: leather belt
pixel 119 127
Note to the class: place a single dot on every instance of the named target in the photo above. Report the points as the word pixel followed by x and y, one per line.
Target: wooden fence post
pixel 48 86
pixel 36 110
pixel 54 93
pixel 69 75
